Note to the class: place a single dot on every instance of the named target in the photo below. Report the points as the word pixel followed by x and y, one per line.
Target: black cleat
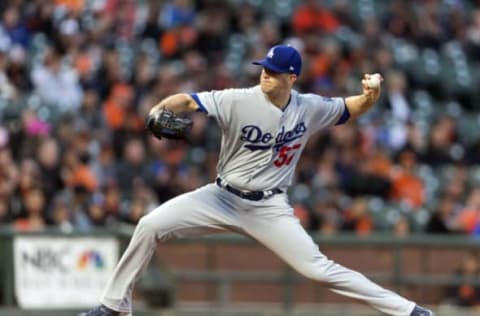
pixel 100 310
pixel 420 311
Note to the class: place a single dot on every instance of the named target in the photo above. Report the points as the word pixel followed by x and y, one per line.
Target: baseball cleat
pixel 420 311
pixel 100 310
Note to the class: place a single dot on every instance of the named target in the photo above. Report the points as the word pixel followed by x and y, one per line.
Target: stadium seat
pixel 457 78
pixel 474 176
pixel 427 68
pixel 431 180
pixel 237 49
pixel 405 54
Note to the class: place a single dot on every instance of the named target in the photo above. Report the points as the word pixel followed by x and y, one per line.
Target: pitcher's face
pixel 272 82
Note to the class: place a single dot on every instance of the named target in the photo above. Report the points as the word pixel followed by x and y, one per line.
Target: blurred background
pixel 401 185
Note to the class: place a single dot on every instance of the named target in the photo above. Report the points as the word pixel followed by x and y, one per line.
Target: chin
pixel 265 88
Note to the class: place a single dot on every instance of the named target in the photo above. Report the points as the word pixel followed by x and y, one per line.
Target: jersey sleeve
pixel 216 103
pixel 326 112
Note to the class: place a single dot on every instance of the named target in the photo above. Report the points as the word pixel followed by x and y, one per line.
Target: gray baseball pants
pixel 271 222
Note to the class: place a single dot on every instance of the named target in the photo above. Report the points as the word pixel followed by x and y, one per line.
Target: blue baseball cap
pixel 283 59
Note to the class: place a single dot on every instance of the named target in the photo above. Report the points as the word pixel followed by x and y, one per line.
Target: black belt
pixel 248 195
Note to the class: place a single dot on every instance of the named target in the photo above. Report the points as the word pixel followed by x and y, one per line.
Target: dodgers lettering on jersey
pixel 261 144
pixel 253 134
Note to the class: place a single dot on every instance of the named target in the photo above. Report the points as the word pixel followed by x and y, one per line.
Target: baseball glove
pixel 166 124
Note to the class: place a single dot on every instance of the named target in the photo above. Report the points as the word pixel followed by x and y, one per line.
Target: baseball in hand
pixel 374 81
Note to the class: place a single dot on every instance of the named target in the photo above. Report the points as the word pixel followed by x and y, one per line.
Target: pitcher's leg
pixel 117 294
pixel 286 237
pixel 193 213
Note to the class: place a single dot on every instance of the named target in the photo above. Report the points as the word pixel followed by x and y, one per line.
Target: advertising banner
pixel 58 272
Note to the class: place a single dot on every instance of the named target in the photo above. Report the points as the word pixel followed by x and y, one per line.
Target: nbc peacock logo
pixel 90 258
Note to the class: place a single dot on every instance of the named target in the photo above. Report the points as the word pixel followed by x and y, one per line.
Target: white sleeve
pixel 326 111
pixel 216 103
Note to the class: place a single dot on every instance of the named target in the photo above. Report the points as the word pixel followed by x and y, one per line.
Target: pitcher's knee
pixel 329 272
pixel 320 270
pixel 313 273
pixel 152 225
pixel 146 226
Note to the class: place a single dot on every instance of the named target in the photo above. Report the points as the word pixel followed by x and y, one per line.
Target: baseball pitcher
pixel 264 130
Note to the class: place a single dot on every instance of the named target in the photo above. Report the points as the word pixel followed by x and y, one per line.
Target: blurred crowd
pixel 77 78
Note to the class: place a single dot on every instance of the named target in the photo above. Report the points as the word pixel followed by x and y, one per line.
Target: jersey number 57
pixel 285 155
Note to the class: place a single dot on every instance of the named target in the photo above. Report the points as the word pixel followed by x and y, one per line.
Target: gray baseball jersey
pixel 262 144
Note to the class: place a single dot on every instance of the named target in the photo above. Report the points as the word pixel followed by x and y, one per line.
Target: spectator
pixel 443 136
pixel 469 217
pixel 111 201
pixel 132 166
pixel 56 83
pixel 170 174
pixel 303 215
pixel 33 218
pixel 151 28
pixel 79 197
pixel 19 81
pixel 136 209
pixel 357 218
pixel 213 31
pixel 28 179
pixel 8 173
pixel 115 109
pixel 311 16
pixel 105 166
pixel 415 139
pixel 14 26
pixel 177 13
pixel 5 217
pixel 77 172
pixel 398 20
pixel 7 89
pixel 48 157
pixel 442 220
pixel 399 105
pixel 60 215
pixel 407 187
pixel 430 31
pixel 326 218
pixel 402 227
pixel 89 111
pixel 465 294
pixel 96 210
pixel 473 35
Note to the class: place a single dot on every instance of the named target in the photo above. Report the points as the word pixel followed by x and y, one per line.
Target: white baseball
pixel 374 81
